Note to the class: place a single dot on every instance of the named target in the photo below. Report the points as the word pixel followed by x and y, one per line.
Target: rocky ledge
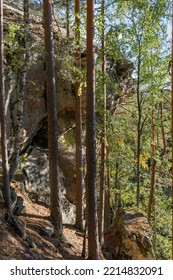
pixel 130 237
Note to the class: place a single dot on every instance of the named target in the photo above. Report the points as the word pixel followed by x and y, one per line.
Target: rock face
pixel 130 237
pixel 35 166
pixel 36 182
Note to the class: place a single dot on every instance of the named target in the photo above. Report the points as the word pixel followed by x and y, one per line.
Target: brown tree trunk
pixel 79 162
pixel 84 240
pixel 172 129
pixel 102 195
pixel 4 149
pixel 55 205
pixel 117 200
pixel 107 194
pixel 138 129
pixel 163 153
pixel 151 204
pixel 68 18
pixel 25 57
pixel 93 248
pixel 27 31
pixel 103 141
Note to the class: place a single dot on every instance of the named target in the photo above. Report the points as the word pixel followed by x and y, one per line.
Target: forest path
pixel 41 243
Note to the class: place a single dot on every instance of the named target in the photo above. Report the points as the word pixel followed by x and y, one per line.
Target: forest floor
pixel 39 244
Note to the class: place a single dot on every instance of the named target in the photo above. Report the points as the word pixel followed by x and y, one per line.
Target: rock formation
pixel 130 237
pixel 34 162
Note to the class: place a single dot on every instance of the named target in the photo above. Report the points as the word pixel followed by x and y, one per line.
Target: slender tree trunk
pixel 79 161
pixel 4 149
pixel 55 205
pixel 107 194
pixel 138 131
pixel 68 18
pixel 151 204
pixel 118 202
pixel 21 92
pixel 172 129
pixel 84 241
pixel 103 148
pixel 163 153
pixel 26 32
pixel 93 247
pixel 102 195
pixel 117 195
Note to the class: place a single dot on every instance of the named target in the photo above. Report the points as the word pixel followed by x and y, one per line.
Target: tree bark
pixel 107 193
pixel 138 129
pixel 27 31
pixel 93 248
pixel 4 149
pixel 103 141
pixel 79 161
pixel 55 204
pixel 172 128
pixel 151 204
pixel 68 18
pixel 21 92
pixel 163 153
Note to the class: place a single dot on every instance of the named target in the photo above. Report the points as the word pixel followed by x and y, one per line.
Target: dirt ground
pixel 40 244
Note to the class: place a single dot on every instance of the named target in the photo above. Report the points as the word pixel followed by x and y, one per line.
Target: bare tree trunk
pixel 151 203
pixel 26 32
pixel 138 130
pixel 163 153
pixel 117 200
pixel 55 204
pixel 68 18
pixel 102 195
pixel 21 92
pixel 172 129
pixel 84 241
pixel 103 148
pixel 93 246
pixel 79 161
pixel 4 149
pixel 107 195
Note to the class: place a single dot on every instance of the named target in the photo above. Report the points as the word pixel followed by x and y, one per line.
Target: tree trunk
pixel 55 205
pixel 21 92
pixel 138 130
pixel 4 149
pixel 103 141
pixel 117 194
pixel 93 248
pixel 163 153
pixel 84 241
pixel 68 18
pixel 79 161
pixel 26 31
pixel 151 204
pixel 107 194
pixel 172 128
